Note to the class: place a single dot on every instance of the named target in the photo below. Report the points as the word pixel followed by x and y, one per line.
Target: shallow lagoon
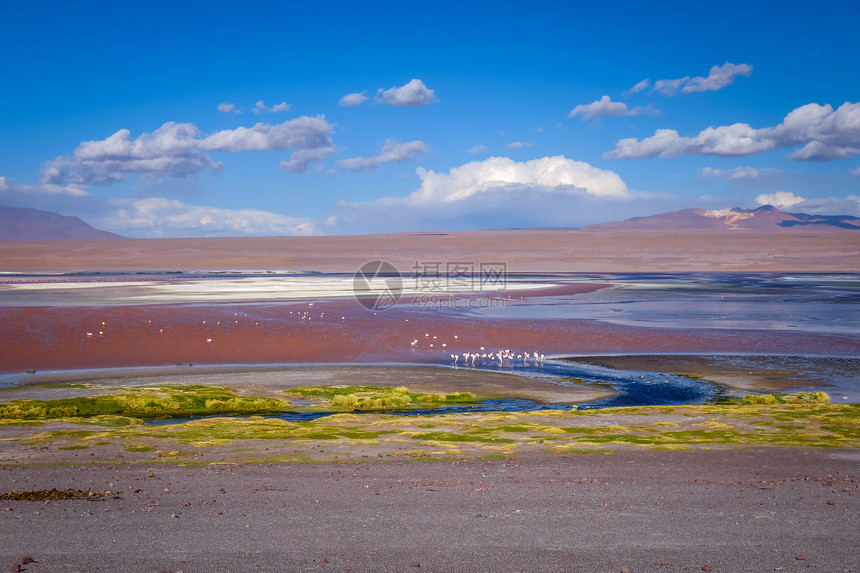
pixel 770 303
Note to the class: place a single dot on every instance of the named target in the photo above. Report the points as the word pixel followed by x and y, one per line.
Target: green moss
pixel 372 398
pixel 790 423
pixel 73 447
pixel 795 398
pixel 168 401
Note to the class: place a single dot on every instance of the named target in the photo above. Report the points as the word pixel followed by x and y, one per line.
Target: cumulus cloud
pixel 160 217
pixel 299 133
pixel 350 100
pixel 605 106
pixel 518 144
pixel 780 199
pixel 498 192
pixel 483 149
pixel 391 152
pixel 669 87
pixel 825 133
pixel 718 77
pixel 227 107
pixel 640 86
pixel 739 172
pixel 501 175
pixel 415 93
pixel 849 205
pixel 178 149
pixel 260 107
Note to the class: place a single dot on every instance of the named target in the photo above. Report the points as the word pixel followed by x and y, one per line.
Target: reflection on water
pixel 768 301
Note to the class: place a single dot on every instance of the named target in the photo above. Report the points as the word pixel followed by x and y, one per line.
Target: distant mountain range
pixel 22 224
pixel 766 218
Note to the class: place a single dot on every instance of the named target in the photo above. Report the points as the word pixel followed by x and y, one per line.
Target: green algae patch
pixel 372 398
pixel 789 422
pixel 795 398
pixel 149 402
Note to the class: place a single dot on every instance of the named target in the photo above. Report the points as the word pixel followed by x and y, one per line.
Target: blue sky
pixel 168 119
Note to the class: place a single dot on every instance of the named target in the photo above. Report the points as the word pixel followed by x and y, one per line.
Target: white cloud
pixel 299 133
pixel 391 152
pixel 605 106
pixel 160 217
pixel 518 144
pixel 669 87
pixel 260 107
pixel 172 150
pixel 227 107
pixel 825 133
pixel 483 149
pixel 44 190
pixel 177 149
pixel 780 199
pixel 739 172
pixel 414 93
pixel 499 192
pixel 718 77
pixel 501 175
pixel 849 205
pixel 855 171
pixel 643 85
pixel 350 100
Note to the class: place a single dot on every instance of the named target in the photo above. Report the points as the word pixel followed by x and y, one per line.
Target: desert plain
pixel 659 488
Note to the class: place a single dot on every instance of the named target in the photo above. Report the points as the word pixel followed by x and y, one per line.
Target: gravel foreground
pixel 768 509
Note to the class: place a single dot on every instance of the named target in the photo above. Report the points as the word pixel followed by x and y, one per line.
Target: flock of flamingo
pixel 484 358
pixel 500 358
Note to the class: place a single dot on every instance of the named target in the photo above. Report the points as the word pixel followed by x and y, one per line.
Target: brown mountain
pixel 22 224
pixel 766 218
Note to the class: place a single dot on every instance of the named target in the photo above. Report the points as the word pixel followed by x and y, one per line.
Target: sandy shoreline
pixel 273 380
